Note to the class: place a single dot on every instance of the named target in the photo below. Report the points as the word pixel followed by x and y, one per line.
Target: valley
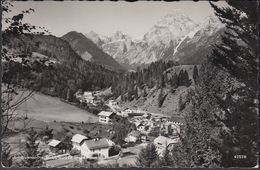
pixel 85 92
pixel 110 88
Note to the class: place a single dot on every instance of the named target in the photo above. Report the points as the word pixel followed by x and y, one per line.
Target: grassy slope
pixel 47 108
pixel 42 110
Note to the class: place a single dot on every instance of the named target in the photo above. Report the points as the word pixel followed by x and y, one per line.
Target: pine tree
pixel 162 83
pixel 186 79
pixel 136 92
pixel 121 127
pixel 238 56
pixel 195 149
pixel 7 159
pixel 144 92
pixel 174 81
pixel 46 134
pixel 198 146
pixel 195 74
pixel 180 78
pixel 32 156
pixel 238 51
pixel 68 144
pixel 148 156
pixel 181 103
pixel 161 98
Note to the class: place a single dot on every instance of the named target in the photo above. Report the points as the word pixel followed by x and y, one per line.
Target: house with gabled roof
pixel 96 148
pixel 77 140
pixel 106 117
pixel 56 146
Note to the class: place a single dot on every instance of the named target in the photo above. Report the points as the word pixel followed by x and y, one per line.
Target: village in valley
pixel 129 85
pixel 100 148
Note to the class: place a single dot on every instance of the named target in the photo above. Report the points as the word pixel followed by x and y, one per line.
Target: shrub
pixel 74 152
pixel 114 150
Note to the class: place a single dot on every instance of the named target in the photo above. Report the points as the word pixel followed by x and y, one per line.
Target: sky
pixel 105 18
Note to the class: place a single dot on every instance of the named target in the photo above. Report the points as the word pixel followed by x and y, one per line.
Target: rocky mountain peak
pixel 173 18
pixel 171 27
pixel 174 37
pixel 210 25
pixel 212 20
pixel 92 34
pixel 118 35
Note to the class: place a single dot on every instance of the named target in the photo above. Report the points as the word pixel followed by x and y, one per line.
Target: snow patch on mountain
pixel 176 48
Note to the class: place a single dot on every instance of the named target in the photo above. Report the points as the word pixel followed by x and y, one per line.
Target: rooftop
pixel 78 138
pixel 54 142
pixel 105 113
pixel 98 143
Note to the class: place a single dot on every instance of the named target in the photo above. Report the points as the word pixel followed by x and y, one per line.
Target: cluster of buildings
pixel 167 126
pixel 149 127
pixel 91 98
pixel 168 129
pixel 88 148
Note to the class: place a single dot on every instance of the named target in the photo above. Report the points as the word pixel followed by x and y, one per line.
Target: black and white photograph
pixel 144 84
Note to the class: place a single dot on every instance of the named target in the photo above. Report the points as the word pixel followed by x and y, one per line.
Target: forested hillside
pixel 157 88
pixel 152 76
pixel 64 77
pixel 89 51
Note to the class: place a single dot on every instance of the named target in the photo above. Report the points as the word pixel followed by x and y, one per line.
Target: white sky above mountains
pixel 105 18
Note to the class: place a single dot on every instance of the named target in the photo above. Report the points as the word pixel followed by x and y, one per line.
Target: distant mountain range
pixel 174 37
pixel 78 58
